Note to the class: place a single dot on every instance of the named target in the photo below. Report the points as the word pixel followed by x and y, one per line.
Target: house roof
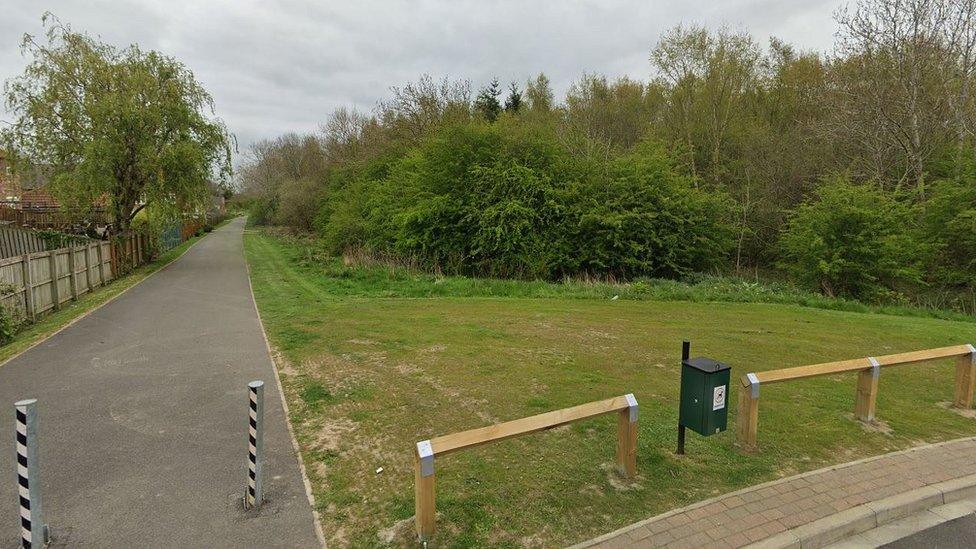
pixel 38 199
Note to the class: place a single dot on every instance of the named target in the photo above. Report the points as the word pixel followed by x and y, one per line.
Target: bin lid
pixel 706 364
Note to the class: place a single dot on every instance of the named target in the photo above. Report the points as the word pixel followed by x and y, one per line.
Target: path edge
pixel 316 522
pixel 845 523
pixel 88 313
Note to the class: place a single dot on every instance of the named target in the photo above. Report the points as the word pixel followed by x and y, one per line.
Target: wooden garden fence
pixel 42 281
pixel 868 369
pixel 54 219
pixel 37 282
pixel 425 451
pixel 17 241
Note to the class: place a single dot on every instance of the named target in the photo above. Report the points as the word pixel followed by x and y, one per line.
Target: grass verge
pixel 367 278
pixel 368 372
pixel 50 323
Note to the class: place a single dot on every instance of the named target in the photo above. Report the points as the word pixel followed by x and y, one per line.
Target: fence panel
pixel 14 296
pixel 37 282
pixel 55 219
pixel 41 275
pixel 15 241
pixel 63 276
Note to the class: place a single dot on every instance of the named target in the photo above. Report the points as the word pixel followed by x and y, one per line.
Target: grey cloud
pixel 284 65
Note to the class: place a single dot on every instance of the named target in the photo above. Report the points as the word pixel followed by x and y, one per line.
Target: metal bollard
pixel 32 527
pixel 253 494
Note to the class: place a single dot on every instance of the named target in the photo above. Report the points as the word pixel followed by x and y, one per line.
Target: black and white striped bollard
pixel 33 531
pixel 253 494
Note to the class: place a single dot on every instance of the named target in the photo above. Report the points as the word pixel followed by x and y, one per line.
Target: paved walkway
pixel 143 420
pixel 761 512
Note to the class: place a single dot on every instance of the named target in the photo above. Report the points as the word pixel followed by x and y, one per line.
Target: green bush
pixel 852 241
pixel 8 326
pixel 950 229
pixel 486 203
pixel 298 203
pixel 261 212
pixel 503 201
pixel 645 219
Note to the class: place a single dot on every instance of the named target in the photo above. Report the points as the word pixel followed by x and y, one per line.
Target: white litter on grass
pixel 615 298
pixel 379 470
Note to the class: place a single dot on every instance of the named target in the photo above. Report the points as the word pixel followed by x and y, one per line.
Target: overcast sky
pixel 275 66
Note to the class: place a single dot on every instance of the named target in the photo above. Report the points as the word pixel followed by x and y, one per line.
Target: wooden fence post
pixel 101 264
pixel 88 275
pixel 627 439
pixel 424 489
pixel 747 419
pixel 113 256
pixel 965 380
pixel 28 287
pixel 55 290
pixel 73 270
pixel 867 392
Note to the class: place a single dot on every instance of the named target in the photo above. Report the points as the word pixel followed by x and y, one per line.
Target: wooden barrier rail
pixel 867 383
pixel 425 451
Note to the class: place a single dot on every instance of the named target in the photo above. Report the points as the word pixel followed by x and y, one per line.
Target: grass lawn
pixel 71 310
pixel 370 370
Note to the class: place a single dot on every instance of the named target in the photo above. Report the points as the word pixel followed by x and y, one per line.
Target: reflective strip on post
pixel 32 527
pixel 753 385
pixel 255 444
pixel 632 407
pixel 426 454
pixel 875 367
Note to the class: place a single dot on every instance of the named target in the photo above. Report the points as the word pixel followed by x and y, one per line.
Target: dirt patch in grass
pixel 964 412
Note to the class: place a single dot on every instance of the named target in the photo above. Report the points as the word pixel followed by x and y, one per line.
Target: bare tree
pixel 706 76
pixel 906 84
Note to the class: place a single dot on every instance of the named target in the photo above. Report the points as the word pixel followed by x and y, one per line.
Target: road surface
pixel 142 409
pixel 954 534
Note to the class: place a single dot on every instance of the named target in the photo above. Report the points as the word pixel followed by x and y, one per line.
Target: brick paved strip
pixel 818 506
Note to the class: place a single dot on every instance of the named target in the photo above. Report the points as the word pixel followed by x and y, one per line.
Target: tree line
pixel 851 172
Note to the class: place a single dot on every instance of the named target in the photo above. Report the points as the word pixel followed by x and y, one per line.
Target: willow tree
pixel 120 128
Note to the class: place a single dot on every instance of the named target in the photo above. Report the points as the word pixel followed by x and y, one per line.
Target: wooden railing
pixel 869 370
pixel 425 451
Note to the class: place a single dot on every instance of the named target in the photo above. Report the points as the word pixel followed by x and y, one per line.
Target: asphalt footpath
pixel 143 417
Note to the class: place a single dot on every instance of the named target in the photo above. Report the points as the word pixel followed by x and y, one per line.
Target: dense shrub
pixel 505 201
pixel 852 241
pixel 950 229
pixel 644 218
pixel 260 211
pixel 298 203
pixel 486 203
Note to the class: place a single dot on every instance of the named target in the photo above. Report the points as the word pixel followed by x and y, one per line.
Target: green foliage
pixel 852 241
pixel 260 211
pixel 505 201
pixel 125 125
pixel 712 166
pixel 298 203
pixel 513 103
pixel 56 239
pixel 487 103
pixel 949 226
pixel 8 327
pixel 9 320
pixel 361 276
pixel 644 218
